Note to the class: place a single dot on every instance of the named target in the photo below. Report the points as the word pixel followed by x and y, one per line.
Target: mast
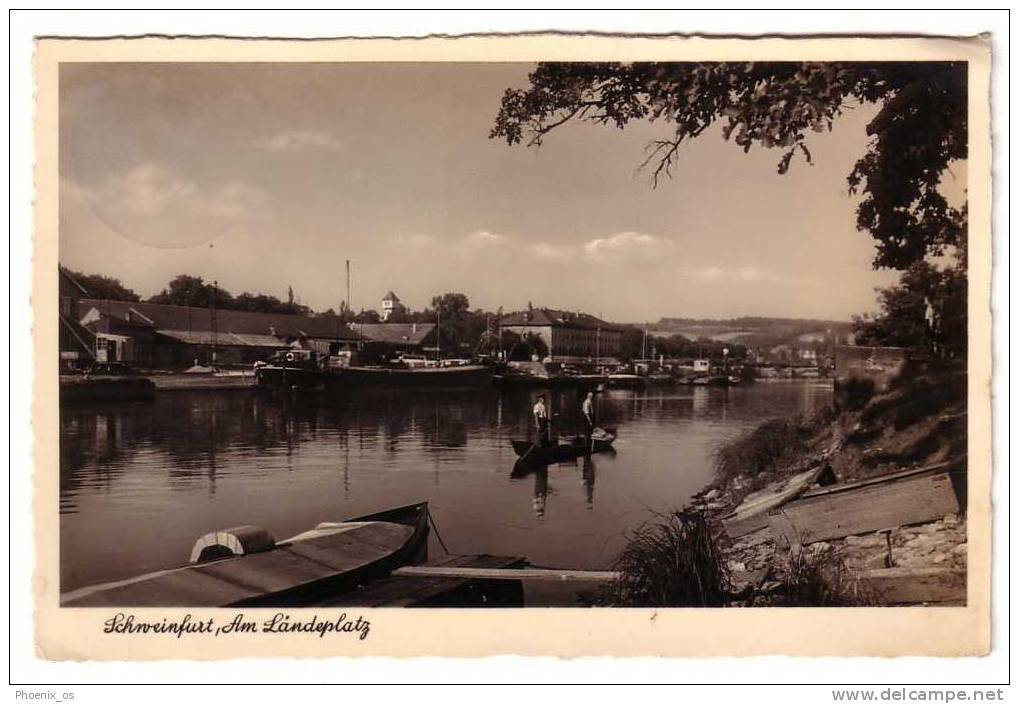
pixel 215 323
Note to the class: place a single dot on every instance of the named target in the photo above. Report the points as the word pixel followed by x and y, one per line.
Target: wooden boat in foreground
pixel 244 566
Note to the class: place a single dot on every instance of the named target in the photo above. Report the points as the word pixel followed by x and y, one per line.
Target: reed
pixel 671 561
pixel 819 578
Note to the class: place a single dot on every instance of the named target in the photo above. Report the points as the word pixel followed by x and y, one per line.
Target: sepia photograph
pixel 611 334
pixel 344 344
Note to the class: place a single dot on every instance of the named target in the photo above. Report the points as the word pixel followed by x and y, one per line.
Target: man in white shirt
pixel 587 408
pixel 541 421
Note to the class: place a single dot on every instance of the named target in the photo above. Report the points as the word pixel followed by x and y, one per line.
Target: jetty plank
pixel 878 503
pixel 899 585
pixel 527 573
pixel 752 514
pixel 407 591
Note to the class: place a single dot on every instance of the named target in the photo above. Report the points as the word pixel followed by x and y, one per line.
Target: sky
pixel 264 176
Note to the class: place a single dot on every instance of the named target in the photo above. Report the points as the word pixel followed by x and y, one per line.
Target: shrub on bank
pixel 672 561
pixel 760 449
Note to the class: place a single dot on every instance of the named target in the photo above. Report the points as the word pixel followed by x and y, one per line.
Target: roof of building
pixel 73 281
pixel 391 297
pixel 396 333
pixel 559 318
pixel 191 319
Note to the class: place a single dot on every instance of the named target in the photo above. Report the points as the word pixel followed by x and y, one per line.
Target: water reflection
pixel 139 482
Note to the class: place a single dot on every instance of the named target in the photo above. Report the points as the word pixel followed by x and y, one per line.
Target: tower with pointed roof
pixel 391 305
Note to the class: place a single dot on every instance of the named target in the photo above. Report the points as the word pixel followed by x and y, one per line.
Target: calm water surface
pixel 140 482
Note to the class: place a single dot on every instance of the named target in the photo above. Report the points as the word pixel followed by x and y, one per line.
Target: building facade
pixel 570 338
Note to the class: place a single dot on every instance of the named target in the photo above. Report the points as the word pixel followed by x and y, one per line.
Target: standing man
pixel 587 408
pixel 541 421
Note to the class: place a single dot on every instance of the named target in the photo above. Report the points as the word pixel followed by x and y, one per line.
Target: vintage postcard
pixel 544 345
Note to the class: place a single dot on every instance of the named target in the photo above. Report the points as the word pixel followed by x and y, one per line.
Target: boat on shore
pixel 244 566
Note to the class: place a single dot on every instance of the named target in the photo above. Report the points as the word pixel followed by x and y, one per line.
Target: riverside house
pixel 571 338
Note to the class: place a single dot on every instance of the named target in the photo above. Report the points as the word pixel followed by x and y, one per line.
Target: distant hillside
pixel 756 332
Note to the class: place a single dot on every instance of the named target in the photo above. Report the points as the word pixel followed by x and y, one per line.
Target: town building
pixel 391 306
pixel 386 340
pixel 151 335
pixel 570 338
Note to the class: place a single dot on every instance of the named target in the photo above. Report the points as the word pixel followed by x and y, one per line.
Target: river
pixel 139 482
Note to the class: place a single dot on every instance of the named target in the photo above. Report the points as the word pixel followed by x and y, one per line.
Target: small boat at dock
pixel 244 566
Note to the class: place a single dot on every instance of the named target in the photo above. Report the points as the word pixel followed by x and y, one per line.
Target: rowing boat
pixel 577 446
pixel 244 566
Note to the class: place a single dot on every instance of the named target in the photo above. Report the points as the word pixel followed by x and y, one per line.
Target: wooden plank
pixel 511 573
pixel 881 479
pixel 899 585
pixel 404 591
pixel 865 508
pixel 752 514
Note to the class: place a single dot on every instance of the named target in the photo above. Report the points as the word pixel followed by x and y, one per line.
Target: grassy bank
pixel 686 558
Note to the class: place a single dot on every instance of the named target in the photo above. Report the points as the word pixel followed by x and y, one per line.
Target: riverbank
pixel 793 497
pixel 102 388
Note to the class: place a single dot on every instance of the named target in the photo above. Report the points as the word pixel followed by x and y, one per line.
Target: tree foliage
pixel 185 290
pixel 919 131
pixel 903 320
pixel 105 287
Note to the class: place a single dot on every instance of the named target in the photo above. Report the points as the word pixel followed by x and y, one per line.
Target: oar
pixel 523 456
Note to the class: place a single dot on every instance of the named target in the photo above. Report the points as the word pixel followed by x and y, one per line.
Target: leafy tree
pixel 187 290
pixel 262 303
pixel 921 127
pixel 455 325
pixel 105 287
pixel 367 316
pixel 903 321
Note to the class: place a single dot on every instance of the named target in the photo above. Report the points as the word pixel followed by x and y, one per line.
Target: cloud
pixel 484 237
pixel 146 189
pixel 294 140
pixel 544 250
pixel 746 274
pixel 156 205
pixel 627 246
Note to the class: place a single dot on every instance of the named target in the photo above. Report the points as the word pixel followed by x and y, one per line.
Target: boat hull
pixel 531 454
pixel 471 375
pixel 305 570
pixel 283 378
